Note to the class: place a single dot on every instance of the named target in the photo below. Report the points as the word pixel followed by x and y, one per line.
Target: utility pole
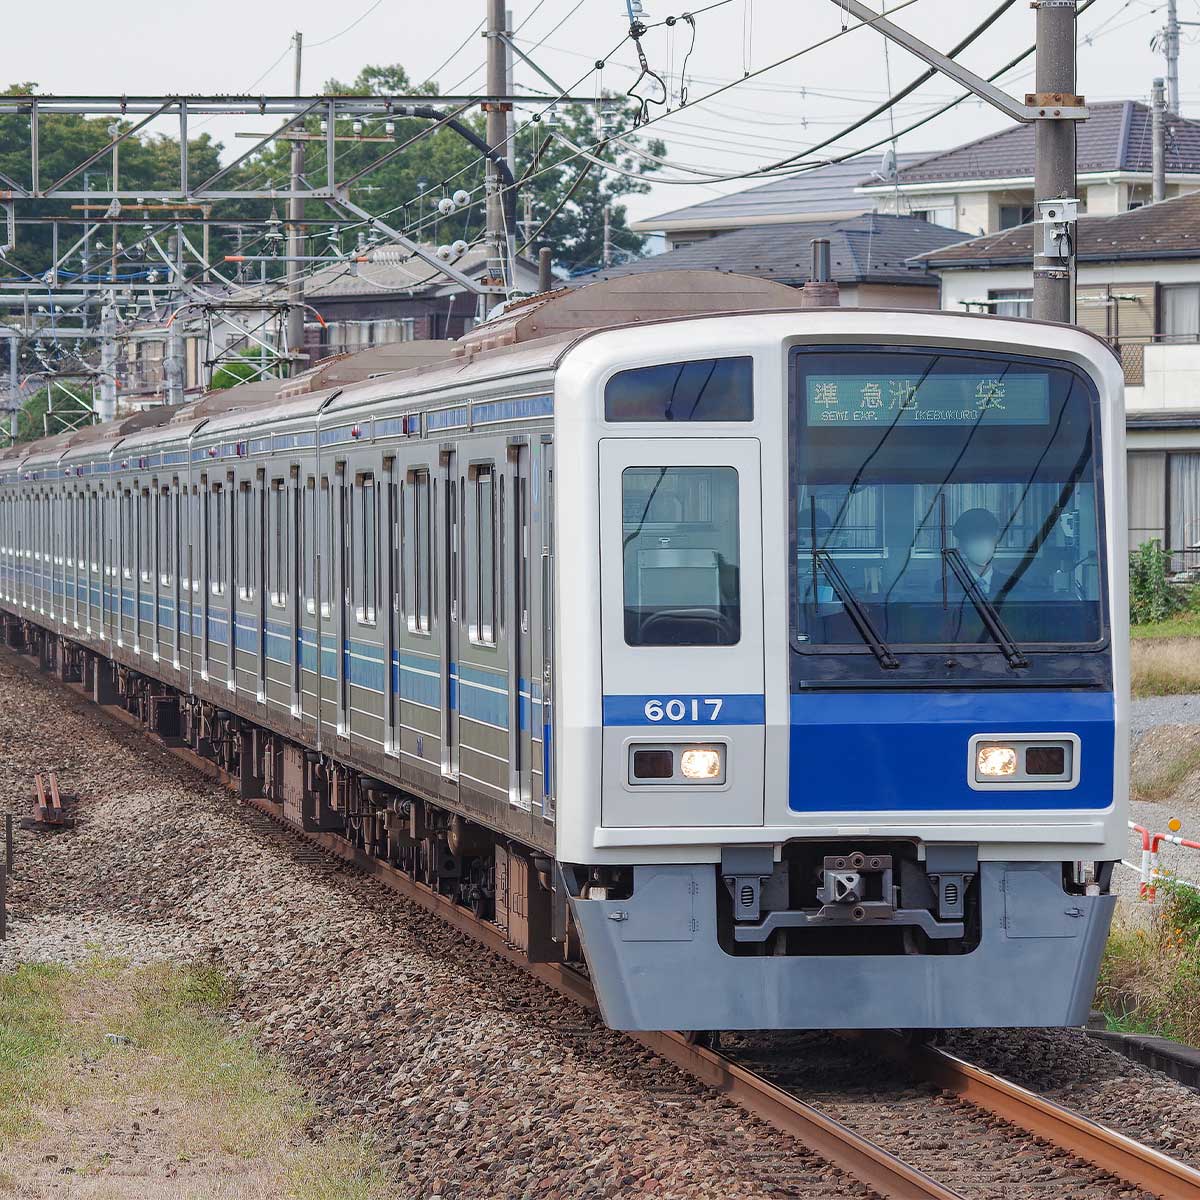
pixel 607 235
pixel 1171 49
pixel 1159 138
pixel 295 240
pixel 173 366
pixel 500 240
pixel 1054 160
pixel 510 128
pixel 106 409
pixel 14 385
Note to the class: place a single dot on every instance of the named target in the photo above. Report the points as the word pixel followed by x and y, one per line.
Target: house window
pixel 1012 215
pixel 942 215
pixel 1181 313
pixel 1011 302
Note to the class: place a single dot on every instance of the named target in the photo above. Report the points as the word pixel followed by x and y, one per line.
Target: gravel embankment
pixel 475 1080
pixel 1154 711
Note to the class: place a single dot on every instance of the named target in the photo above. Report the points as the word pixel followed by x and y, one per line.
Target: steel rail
pixel 839 1145
pixel 824 1136
pixel 1166 1177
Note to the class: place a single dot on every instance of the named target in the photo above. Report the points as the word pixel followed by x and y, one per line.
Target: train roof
pixel 525 337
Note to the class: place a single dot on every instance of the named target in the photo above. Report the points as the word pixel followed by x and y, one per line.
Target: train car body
pixel 779 657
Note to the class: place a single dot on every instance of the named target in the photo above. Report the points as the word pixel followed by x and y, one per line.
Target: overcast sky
pixel 227 46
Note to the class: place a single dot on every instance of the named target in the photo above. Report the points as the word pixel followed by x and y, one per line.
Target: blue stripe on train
pixel 908 751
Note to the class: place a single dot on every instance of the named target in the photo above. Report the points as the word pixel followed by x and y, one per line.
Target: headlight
pixel 993 762
pixel 698 763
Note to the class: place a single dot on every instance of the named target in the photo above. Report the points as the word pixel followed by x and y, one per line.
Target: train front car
pixel 843 734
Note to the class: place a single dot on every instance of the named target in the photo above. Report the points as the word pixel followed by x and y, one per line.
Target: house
pixel 824 193
pixel 1138 287
pixel 987 185
pixel 394 297
pixel 869 257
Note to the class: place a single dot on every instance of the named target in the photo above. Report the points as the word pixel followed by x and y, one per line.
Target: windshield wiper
pixel 858 614
pixel 989 614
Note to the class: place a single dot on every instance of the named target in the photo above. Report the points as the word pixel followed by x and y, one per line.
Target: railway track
pixel 765 1092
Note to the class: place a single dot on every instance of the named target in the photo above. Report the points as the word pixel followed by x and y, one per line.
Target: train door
pixel 545 732
pixel 515 545
pixel 453 601
pixel 681 632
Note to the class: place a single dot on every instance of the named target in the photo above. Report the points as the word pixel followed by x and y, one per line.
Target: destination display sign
pixel 969 399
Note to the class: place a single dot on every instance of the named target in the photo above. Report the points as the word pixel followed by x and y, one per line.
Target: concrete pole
pixel 607 252
pixel 1171 47
pixel 14 385
pixel 106 406
pixel 172 365
pixel 1159 139
pixel 510 142
pixel 295 239
pixel 500 240
pixel 1054 152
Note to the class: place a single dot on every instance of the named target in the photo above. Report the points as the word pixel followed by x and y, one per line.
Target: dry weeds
pixel 1166 666
pixel 118 1082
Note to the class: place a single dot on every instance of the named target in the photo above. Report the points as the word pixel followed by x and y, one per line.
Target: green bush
pixel 1151 596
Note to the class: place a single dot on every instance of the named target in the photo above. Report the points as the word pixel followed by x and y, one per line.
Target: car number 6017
pixel 693 709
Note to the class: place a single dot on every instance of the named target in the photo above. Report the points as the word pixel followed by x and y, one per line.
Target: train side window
pixel 97 525
pixel 216 540
pixel 704 389
pixel 166 536
pixel 419 557
pixel 308 533
pixel 144 534
pixel 366 542
pixel 681 556
pixel 483 559
pixel 245 541
pixel 277 543
pixel 326 551
pixel 126 535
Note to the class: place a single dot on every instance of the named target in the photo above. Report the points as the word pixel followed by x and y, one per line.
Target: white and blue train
pixel 772 660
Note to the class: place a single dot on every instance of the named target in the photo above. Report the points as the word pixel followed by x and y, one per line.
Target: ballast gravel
pixel 472 1079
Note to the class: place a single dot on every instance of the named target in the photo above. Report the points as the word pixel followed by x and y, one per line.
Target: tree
pixel 409 186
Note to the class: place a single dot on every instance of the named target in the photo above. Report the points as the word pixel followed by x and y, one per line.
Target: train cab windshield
pixel 942 500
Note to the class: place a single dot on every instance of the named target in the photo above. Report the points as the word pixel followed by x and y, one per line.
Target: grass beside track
pixel 128 1080
pixel 1150 975
pixel 1164 664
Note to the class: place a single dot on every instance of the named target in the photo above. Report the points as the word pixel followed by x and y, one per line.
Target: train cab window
pixel 418 567
pixel 277 543
pixel 681 556
pixel 704 389
pixel 483 559
pixel 365 565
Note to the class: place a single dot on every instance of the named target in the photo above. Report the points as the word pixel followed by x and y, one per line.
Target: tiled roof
pixel 827 189
pixel 1115 137
pixel 871 246
pixel 1168 229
